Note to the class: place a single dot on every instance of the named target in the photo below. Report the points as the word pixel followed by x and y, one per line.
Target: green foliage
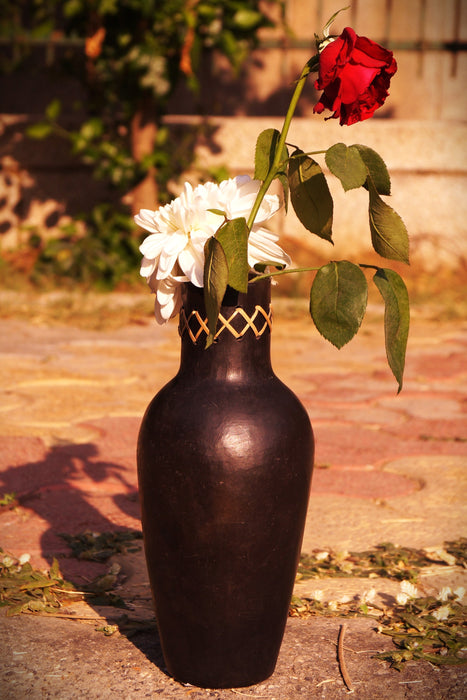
pixel 396 319
pixel 216 277
pixel 338 296
pixel 265 152
pixel 346 163
pixel 423 628
pixel 388 233
pixel 107 254
pixel 417 632
pixel 386 560
pixel 100 546
pixel 310 195
pixel 338 301
pixel 233 237
pixel 25 589
pixel 377 169
pixel 129 56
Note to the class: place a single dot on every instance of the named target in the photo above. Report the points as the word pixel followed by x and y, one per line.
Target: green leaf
pixel 396 319
pixel 338 301
pixel 346 164
pixel 265 152
pixel 39 131
pixel 310 195
pixel 247 19
pixel 53 110
pixel 388 232
pixel 376 168
pixel 331 20
pixel 233 236
pixel 216 276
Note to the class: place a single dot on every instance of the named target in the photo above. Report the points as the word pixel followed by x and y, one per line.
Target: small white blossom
pixel 368 596
pixel 24 558
pixel 409 588
pixel 402 598
pixel 444 594
pixel 408 591
pixel 7 561
pixel 321 556
pixel 333 605
pixel 317 595
pixel 459 593
pixel 442 613
pixel 345 599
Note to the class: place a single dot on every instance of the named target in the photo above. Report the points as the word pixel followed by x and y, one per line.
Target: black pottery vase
pixel 225 456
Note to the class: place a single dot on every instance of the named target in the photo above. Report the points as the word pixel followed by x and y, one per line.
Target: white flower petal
pixel 152 245
pixel 169 254
pixel 409 589
pixel 147 267
pixel 444 593
pixel 402 598
pixel 442 613
pixel 191 261
pixel 168 297
pixel 262 248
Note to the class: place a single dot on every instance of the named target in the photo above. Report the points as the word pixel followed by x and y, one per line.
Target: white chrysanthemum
pixel 179 230
pixel 168 293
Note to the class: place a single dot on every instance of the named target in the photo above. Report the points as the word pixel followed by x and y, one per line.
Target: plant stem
pixel 286 271
pixel 273 170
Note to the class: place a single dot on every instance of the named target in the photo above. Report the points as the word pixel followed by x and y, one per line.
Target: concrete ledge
pixel 426 159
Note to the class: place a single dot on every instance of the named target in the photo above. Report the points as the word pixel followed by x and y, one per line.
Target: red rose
pixel 354 73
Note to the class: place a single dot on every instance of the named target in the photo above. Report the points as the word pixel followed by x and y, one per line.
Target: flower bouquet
pixel 225 449
pixel 214 235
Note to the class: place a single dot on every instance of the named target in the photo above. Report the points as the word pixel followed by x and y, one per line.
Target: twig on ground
pixel 340 658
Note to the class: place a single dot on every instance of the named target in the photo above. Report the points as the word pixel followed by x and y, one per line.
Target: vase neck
pixel 241 349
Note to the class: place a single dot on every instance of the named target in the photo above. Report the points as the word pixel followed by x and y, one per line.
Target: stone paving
pixel 388 468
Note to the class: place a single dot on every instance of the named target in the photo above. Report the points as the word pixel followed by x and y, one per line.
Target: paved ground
pixel 388 468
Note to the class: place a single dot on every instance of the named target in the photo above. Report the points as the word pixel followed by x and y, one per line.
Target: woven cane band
pixel 195 325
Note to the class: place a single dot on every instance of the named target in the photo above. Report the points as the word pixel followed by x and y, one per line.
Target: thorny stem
pixel 289 271
pixel 286 271
pixel 274 169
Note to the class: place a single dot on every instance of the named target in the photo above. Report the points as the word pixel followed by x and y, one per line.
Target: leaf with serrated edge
pixel 376 168
pixel 388 232
pixel 346 164
pixel 338 301
pixel 396 319
pixel 265 152
pixel 310 195
pixel 233 236
pixel 216 275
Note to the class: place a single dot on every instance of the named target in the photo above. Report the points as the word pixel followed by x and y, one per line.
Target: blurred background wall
pixel 420 132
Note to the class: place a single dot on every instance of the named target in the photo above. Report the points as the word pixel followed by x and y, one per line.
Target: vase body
pixel 225 456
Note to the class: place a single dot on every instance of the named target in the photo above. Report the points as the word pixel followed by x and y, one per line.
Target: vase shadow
pixel 70 489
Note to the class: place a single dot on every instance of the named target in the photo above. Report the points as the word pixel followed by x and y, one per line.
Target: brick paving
pixel 388 468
